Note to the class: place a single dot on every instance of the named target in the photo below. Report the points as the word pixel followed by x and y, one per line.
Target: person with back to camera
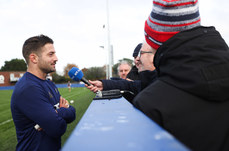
pixel 190 97
pixel 39 112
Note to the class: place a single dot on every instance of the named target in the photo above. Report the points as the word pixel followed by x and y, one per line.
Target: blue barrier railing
pixel 7 88
pixel 115 125
pixel 73 85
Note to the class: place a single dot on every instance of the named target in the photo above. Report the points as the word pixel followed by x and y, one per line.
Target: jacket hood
pixel 196 61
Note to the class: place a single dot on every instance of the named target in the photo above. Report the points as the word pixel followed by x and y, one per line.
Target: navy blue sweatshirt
pixel 32 103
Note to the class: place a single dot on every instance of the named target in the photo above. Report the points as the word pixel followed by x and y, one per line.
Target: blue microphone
pixel 77 75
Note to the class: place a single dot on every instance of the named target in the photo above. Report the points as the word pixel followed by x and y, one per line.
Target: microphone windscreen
pixel 75 74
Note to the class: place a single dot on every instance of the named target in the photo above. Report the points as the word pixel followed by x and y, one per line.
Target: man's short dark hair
pixel 34 45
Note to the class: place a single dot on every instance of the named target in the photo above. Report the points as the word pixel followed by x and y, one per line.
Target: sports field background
pixel 81 96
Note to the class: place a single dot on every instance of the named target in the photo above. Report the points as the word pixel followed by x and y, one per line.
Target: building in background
pixel 9 78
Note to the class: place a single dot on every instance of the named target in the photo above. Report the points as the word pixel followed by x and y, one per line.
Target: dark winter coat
pixel 133 74
pixel 190 98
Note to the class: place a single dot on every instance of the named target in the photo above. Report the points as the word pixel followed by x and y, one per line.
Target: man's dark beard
pixel 45 70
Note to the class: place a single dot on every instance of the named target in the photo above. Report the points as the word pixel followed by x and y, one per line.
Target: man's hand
pixel 63 102
pixel 129 79
pixel 95 86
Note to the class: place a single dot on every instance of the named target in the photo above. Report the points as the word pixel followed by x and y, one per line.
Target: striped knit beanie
pixel 169 17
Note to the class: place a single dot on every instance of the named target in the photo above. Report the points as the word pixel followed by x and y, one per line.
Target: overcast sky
pixel 76 26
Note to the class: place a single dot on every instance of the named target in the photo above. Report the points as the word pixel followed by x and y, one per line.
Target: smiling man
pixel 39 112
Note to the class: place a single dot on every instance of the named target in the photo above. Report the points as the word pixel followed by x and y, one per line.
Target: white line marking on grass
pixel 7 121
pixel 72 95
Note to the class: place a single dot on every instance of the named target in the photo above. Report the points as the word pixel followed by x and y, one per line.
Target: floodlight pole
pixel 107 72
pixel 108 43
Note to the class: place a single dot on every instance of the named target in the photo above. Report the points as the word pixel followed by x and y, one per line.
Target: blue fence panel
pixel 66 85
pixel 58 86
pixel 115 125
pixel 7 88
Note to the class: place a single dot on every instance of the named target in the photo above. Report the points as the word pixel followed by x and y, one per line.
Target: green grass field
pixel 82 98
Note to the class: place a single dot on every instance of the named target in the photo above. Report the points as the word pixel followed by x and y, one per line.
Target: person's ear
pixel 33 58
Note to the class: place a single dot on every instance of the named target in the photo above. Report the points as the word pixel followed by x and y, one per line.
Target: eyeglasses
pixel 142 52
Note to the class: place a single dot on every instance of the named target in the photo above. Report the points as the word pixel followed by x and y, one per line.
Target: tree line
pixel 92 73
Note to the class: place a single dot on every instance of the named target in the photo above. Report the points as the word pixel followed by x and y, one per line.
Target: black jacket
pixel 131 88
pixel 190 99
pixel 133 74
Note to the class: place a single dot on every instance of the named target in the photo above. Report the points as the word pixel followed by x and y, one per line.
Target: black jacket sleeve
pixel 147 77
pixel 131 88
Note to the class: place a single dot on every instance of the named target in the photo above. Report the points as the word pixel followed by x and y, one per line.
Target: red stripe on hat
pixel 181 4
pixel 157 35
pixel 178 25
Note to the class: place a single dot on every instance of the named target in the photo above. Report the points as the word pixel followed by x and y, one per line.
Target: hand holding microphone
pixel 77 75
pixel 96 86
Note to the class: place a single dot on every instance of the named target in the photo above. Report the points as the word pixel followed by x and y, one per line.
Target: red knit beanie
pixel 168 17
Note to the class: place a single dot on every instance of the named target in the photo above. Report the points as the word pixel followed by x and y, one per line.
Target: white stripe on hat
pixel 171 12
pixel 153 40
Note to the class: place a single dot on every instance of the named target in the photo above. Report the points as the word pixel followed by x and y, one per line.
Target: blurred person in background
pixel 69 86
pixel 123 69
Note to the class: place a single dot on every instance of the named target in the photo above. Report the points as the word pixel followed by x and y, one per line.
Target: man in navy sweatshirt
pixel 39 112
